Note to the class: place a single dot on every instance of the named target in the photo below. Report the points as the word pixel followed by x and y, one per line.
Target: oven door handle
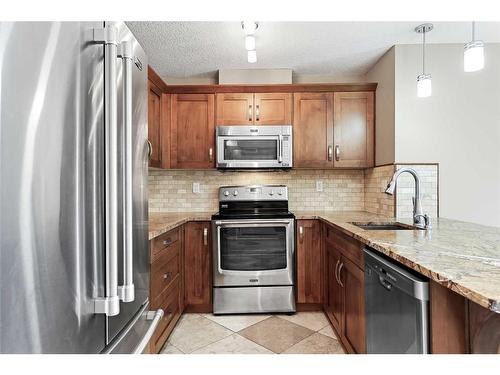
pixel 251 222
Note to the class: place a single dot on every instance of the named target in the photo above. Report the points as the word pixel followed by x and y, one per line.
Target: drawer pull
pixel 167 275
pixel 205 236
pixel 168 242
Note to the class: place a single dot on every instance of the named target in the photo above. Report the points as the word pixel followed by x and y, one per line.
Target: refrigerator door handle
pixel 110 303
pixel 126 292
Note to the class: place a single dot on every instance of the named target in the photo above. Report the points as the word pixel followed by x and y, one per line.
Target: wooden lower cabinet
pixel 309 262
pixel 198 266
pixel 166 283
pixel 344 297
pixel 353 295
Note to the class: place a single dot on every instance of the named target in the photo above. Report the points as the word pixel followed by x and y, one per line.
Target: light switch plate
pixel 319 185
pixel 196 187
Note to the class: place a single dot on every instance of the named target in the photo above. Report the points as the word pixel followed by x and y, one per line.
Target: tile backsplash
pixel 343 190
pixel 172 190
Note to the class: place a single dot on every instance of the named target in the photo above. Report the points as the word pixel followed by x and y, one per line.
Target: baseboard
pixel 308 307
pixel 200 309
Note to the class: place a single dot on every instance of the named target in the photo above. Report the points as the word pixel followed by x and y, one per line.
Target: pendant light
pixel 474 53
pixel 249 28
pixel 424 82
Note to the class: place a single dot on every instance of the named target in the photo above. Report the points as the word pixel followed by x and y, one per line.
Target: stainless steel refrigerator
pixel 74 256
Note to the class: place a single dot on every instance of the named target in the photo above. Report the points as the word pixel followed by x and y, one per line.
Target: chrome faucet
pixel 420 220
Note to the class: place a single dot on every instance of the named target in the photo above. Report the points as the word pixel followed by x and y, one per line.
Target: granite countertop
pixel 160 223
pixel 463 257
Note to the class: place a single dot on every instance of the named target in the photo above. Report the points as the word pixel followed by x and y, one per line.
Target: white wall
pixel 458 127
pixel 383 72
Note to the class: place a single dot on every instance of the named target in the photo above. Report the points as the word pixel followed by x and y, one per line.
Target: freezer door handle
pixel 110 303
pixel 126 291
pixel 154 317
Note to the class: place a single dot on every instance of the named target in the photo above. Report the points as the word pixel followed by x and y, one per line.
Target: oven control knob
pixel 271 192
pixel 226 193
pixel 280 192
pixel 235 193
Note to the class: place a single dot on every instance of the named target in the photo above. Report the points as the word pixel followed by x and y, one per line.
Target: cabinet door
pixel 334 303
pixel 154 124
pixel 353 284
pixel 235 109
pixel 197 263
pixel 273 109
pixel 192 131
pixel 313 130
pixel 354 129
pixel 309 269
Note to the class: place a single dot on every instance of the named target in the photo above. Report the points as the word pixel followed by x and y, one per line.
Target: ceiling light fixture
pixel 249 27
pixel 250 42
pixel 252 56
pixel 474 53
pixel 424 82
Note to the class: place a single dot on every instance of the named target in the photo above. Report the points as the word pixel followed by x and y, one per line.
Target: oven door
pixel 260 151
pixel 253 252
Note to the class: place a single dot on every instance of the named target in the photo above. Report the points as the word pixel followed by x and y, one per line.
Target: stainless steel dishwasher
pixel 396 305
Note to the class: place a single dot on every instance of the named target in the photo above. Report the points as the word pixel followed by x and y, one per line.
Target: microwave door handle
pixel 280 149
pixel 126 292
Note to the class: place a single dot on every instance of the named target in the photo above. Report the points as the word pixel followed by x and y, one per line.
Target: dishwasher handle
pixel 386 284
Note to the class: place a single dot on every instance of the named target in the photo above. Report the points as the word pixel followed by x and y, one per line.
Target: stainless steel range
pixel 254 250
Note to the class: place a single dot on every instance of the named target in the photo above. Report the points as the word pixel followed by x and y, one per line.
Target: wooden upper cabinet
pixel 272 109
pixel 254 109
pixel 313 130
pixel 198 264
pixel 234 109
pixel 192 131
pixel 155 124
pixel 354 129
pixel 309 265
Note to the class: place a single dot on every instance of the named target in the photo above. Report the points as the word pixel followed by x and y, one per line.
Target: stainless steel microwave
pixel 254 147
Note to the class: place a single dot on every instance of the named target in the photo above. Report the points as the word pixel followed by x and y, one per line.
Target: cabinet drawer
pixel 348 246
pixel 169 302
pixel 163 241
pixel 165 269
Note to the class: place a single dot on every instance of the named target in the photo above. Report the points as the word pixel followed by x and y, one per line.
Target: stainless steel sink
pixel 384 226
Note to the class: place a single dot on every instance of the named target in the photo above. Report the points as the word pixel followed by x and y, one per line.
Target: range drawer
pixel 169 302
pixel 164 241
pixel 348 246
pixel 165 269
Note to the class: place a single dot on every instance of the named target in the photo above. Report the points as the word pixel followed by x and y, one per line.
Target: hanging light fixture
pixel 424 82
pixel 473 53
pixel 249 28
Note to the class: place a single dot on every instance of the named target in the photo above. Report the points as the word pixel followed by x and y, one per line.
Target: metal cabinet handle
pixel 154 317
pixel 330 153
pixel 110 303
pixel 167 242
pixel 150 150
pixel 257 113
pixel 167 275
pixel 205 236
pixel 336 271
pixel 337 152
pixel 301 233
pixel 126 291
pixel 250 113
pixel 340 276
pixel 211 154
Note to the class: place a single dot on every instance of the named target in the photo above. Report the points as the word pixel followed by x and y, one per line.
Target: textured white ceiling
pixel 199 49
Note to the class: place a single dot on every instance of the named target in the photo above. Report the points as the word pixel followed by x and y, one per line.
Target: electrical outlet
pixel 196 187
pixel 319 185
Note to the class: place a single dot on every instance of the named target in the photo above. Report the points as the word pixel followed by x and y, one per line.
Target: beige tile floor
pixel 301 333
